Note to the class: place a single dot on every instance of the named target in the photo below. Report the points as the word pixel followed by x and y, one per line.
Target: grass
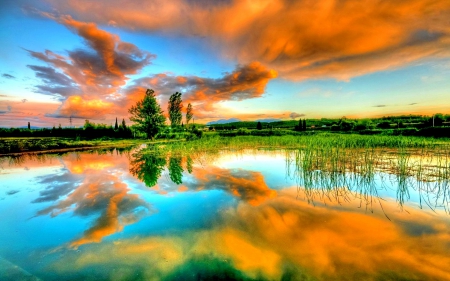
pixel 23 145
pixel 214 142
pixel 340 166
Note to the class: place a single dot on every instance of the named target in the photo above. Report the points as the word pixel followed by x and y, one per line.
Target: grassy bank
pixel 211 142
pixel 23 145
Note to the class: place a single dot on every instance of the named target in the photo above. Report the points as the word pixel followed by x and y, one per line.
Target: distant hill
pixel 268 120
pixel 223 121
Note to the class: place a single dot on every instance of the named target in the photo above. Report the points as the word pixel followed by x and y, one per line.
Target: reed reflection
pixel 344 175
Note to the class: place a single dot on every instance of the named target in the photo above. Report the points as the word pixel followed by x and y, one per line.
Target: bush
pixel 197 133
pixel 437 132
pixel 370 132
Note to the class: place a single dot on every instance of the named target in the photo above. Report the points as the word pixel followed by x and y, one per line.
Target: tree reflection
pixel 147 167
pixel 189 164
pixel 175 170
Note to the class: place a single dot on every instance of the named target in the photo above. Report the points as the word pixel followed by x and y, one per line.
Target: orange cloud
pixel 300 39
pixel 245 82
pixel 87 80
pixel 77 107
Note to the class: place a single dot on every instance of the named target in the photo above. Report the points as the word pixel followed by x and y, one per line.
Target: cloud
pixel 9 76
pixel 9 108
pixel 90 82
pixel 414 103
pixel 380 105
pixel 294 115
pixel 11 192
pixel 78 107
pixel 300 39
pixel 244 82
pixel 24 100
pixel 90 76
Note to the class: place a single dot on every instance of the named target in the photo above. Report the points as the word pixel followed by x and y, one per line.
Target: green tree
pixel 304 124
pixel 174 108
pixel 189 114
pixel 147 115
pixel 116 127
pixel 259 126
pixel 29 127
pixel 124 126
pixel 347 125
pixel 438 119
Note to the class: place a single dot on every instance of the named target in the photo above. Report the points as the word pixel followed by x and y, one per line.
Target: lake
pixel 127 214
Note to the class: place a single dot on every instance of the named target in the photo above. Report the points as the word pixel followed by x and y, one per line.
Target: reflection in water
pixel 107 196
pixel 147 167
pixel 363 175
pixel 91 185
pixel 175 170
pixel 248 186
pixel 264 226
pixel 285 238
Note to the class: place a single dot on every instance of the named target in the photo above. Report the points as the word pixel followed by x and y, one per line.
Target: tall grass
pixel 215 142
pixel 324 171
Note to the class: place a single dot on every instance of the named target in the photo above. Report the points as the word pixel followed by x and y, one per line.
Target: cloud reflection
pixel 287 237
pixel 102 193
pixel 248 186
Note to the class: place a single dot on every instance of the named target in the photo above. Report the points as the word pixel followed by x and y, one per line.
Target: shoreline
pixel 110 144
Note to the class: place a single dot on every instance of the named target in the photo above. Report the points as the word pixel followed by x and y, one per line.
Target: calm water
pixel 125 215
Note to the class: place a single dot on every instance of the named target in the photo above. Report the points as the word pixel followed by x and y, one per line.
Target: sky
pixel 246 59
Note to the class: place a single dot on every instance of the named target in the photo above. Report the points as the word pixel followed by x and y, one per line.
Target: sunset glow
pixel 84 59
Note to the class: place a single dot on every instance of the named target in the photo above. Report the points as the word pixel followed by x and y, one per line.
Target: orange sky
pixel 228 58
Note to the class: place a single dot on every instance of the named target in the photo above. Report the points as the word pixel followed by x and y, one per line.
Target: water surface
pixel 253 215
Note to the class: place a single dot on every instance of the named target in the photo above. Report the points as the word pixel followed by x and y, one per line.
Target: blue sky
pixel 239 59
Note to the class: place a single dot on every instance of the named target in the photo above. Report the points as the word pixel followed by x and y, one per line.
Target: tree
pixel 124 126
pixel 147 115
pixel 304 124
pixel 259 126
pixel 384 125
pixel 116 127
pixel 29 127
pixel 189 113
pixel 174 108
pixel 438 119
pixel 347 125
